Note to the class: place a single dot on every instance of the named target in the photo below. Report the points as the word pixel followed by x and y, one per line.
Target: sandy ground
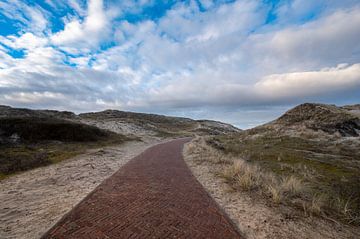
pixel 31 202
pixel 117 126
pixel 257 220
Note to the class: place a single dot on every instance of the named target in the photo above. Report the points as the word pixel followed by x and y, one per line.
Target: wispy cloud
pixel 30 18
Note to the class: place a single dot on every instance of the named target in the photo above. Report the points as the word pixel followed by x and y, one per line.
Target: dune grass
pixel 321 178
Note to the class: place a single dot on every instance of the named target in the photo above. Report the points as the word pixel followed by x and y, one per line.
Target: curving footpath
pixel 152 196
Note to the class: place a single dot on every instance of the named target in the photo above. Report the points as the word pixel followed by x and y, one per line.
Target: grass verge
pixel 321 181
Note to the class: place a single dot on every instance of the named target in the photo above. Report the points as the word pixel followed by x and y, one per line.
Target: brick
pixel 152 196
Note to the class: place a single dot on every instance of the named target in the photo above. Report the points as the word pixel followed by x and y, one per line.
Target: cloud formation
pixel 89 32
pixel 180 56
pixel 303 84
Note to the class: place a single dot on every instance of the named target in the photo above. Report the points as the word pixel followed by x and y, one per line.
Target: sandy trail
pixel 33 201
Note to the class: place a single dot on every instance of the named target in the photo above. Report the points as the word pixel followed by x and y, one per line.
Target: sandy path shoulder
pixel 31 202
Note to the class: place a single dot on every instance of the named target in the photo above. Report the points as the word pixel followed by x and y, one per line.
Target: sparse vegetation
pixel 317 203
pixel 327 167
pixel 289 171
pixel 27 143
pixel 163 126
pixel 292 185
pixel 327 118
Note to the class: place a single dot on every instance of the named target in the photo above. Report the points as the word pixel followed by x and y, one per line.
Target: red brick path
pixel 152 196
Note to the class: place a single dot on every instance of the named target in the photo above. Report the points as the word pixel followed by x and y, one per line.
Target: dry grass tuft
pixel 244 175
pixel 233 170
pixel 200 152
pixel 241 174
pixel 344 208
pixel 249 176
pixel 275 193
pixel 317 204
pixel 292 185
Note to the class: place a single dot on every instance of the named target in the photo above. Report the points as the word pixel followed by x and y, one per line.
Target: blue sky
pixel 243 62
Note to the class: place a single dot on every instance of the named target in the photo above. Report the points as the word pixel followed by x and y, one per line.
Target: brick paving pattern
pixel 152 196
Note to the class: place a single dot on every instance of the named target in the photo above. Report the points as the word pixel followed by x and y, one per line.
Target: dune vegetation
pixel 30 142
pixel 308 159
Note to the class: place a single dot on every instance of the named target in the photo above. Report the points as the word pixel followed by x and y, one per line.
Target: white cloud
pixel 38 20
pixel 33 97
pixel 313 83
pixel 272 89
pixel 88 33
pixel 329 40
pixel 24 41
pixel 187 23
pixel 80 61
pixel 226 69
pixel 239 17
pixel 6 61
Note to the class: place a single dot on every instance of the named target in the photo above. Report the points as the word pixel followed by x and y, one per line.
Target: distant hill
pixel 129 123
pixel 7 111
pixel 344 121
pixel 353 109
pixel 155 125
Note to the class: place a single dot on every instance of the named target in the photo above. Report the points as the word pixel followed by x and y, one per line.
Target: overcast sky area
pixel 243 62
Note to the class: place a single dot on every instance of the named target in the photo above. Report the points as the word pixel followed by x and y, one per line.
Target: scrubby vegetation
pixel 316 178
pixel 31 142
pixel 308 158
pixel 38 129
pixel 330 170
pixel 327 118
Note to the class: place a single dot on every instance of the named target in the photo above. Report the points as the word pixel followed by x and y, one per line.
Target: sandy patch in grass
pixel 254 217
pixel 33 201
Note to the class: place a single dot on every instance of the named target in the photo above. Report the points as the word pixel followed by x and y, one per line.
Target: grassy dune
pixel 31 142
pixel 317 176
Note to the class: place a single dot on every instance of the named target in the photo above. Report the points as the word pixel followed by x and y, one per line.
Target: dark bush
pixel 39 129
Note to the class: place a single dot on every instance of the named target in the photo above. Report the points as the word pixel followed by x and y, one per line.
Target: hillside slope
pixel 129 123
pixel 7 111
pixel 33 138
pixel 320 117
pixel 29 142
pixel 141 124
pixel 315 143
